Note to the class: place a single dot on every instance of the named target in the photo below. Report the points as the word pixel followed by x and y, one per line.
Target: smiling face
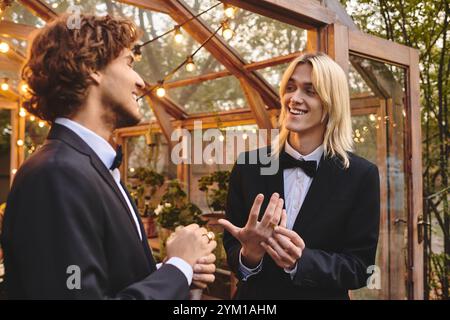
pixel 304 109
pixel 119 88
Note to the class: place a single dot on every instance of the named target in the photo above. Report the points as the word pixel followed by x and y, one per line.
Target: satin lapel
pixel 318 194
pixel 147 248
pixel 59 132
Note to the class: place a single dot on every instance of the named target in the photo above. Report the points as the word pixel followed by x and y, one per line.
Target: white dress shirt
pixel 296 186
pixel 106 153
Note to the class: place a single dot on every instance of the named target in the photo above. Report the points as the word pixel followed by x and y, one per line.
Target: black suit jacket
pixel 65 209
pixel 339 222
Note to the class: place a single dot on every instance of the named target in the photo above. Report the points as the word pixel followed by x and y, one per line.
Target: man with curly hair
pixel 71 230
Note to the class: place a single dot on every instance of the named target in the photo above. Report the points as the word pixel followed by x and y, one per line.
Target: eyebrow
pixel 305 83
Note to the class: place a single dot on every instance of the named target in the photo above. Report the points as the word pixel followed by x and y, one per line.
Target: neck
pixel 92 116
pixel 304 144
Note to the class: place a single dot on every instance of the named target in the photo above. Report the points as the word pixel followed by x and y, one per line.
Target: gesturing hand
pixel 284 246
pixel 255 232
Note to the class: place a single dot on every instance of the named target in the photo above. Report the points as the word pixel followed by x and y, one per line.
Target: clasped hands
pixel 269 235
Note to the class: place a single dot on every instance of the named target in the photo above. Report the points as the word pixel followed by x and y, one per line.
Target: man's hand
pixel 204 272
pixel 284 246
pixel 190 244
pixel 255 232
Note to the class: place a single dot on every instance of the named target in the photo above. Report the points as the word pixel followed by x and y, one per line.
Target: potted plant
pixel 215 187
pixel 175 210
pixel 150 181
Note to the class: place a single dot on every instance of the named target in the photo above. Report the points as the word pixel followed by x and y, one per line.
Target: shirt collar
pixel 316 155
pixel 100 146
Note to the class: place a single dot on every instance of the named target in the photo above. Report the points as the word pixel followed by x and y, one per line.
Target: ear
pixel 96 76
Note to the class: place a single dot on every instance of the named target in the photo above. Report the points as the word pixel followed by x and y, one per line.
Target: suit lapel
pixel 66 135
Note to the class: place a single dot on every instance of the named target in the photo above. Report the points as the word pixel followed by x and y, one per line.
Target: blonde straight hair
pixel 330 83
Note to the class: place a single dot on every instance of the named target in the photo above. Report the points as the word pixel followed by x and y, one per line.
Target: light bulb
pixel 32 118
pixel 5 86
pixel 24 88
pixel 221 138
pixel 4 47
pixel 22 113
pixel 20 142
pixel 190 65
pixel 229 11
pixel 41 124
pixel 227 33
pixel 178 35
pixel 160 92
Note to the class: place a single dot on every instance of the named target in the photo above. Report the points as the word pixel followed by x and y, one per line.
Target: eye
pixel 310 91
pixel 290 87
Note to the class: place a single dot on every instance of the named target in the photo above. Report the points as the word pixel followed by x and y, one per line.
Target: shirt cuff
pixel 292 272
pixel 158 265
pixel 246 272
pixel 183 266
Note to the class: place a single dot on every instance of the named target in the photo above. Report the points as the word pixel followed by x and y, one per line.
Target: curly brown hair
pixel 61 59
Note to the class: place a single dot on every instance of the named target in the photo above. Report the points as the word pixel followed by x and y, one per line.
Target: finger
pixel 199 285
pixel 278 211
pixel 286 257
pixel 283 221
pixel 273 254
pixel 231 228
pixel 201 230
pixel 292 235
pixel 294 251
pixel 211 245
pixel 204 268
pixel 268 214
pixel 210 258
pixel 205 278
pixel 254 211
pixel 192 226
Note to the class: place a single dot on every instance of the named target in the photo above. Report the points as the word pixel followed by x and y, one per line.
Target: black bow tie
pixel 288 162
pixel 118 159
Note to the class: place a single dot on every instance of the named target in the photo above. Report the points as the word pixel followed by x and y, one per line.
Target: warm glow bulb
pixel 41 124
pixel 5 86
pixel 4 47
pixel 230 11
pixel 20 142
pixel 160 92
pixel 227 33
pixel 24 88
pixel 22 113
pixel 178 35
pixel 190 65
pixel 32 118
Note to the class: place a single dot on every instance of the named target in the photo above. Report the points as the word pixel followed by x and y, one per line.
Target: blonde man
pixel 319 233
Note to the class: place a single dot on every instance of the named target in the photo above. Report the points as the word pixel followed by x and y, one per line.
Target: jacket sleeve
pixel 56 229
pixel 347 269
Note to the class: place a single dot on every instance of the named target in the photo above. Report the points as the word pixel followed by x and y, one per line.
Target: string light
pixel 5 85
pixel 372 117
pixel 137 53
pixel 4 47
pixel 14 171
pixel 22 113
pixel 41 124
pixel 20 142
pixel 227 33
pixel 178 35
pixel 32 118
pixel 221 138
pixel 24 88
pixel 229 11
pixel 160 91
pixel 190 65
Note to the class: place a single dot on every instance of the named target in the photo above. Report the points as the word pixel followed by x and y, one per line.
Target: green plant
pixel 151 179
pixel 215 186
pixel 175 209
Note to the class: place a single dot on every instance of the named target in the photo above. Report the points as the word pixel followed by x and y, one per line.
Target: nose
pixel 297 97
pixel 140 82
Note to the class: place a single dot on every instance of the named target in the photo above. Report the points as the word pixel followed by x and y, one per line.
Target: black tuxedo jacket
pixel 65 209
pixel 339 222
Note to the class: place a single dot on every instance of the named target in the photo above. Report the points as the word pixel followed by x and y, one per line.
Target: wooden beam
pixel 256 105
pixel 14 53
pixel 220 74
pixel 7 64
pixel 341 14
pixel 15 30
pixel 338 45
pixel 11 94
pixel 226 55
pixel 415 172
pixel 305 14
pixel 40 8
pixel 151 5
pixel 7 104
pixel 378 48
pixel 163 119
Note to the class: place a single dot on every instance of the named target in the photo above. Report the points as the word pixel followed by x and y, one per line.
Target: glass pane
pixel 149 152
pixel 386 133
pixel 273 75
pixel 210 96
pixel 255 37
pixel 5 138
